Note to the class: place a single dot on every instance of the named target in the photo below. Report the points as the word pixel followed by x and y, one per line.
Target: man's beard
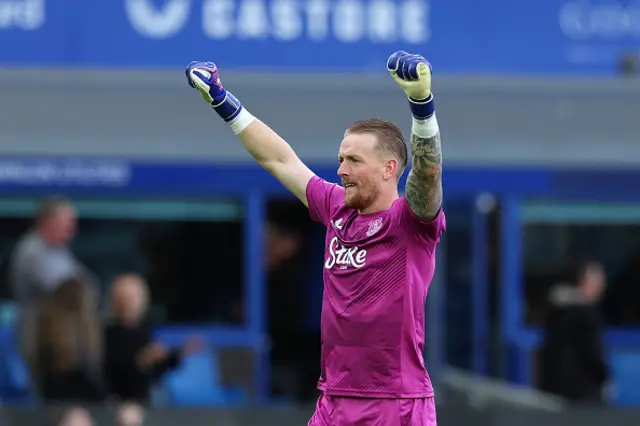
pixel 360 198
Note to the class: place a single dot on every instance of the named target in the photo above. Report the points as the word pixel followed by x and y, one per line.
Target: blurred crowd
pixel 88 342
pixel 80 349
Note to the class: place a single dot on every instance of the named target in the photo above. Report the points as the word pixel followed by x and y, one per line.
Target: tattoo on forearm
pixel 423 190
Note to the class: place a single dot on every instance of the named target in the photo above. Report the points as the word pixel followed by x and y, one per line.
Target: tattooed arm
pixel 423 189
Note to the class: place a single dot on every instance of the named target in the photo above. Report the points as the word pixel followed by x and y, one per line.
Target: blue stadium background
pixel 537 102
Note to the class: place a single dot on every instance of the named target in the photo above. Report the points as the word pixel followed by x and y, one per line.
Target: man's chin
pixel 349 202
pixel 353 202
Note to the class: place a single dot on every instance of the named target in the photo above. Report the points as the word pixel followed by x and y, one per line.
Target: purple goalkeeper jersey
pixel 377 271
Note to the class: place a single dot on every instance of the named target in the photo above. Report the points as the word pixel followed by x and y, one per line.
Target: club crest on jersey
pixel 345 257
pixel 374 226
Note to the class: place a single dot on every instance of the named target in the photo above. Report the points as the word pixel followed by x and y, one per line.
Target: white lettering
pixel 581 20
pixel 158 23
pixel 344 257
pixel 415 22
pixel 318 19
pixel 287 22
pixel 252 19
pixel 348 21
pixel 27 15
pixel 382 19
pixel 218 19
pixel 104 173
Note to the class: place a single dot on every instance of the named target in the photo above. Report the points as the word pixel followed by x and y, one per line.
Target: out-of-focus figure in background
pixel 286 304
pixel 40 261
pixel 68 347
pixel 295 348
pixel 132 359
pixel 75 416
pixel 129 414
pixel 572 357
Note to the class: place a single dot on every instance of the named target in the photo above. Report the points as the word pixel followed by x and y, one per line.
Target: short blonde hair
pixel 390 138
pixel 121 280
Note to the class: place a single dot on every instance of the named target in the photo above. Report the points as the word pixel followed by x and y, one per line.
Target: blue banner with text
pixel 93 176
pixel 459 36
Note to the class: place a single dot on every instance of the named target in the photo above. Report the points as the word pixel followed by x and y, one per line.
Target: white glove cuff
pixel 425 128
pixel 241 121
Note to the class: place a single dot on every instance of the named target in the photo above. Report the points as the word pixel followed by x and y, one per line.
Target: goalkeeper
pixel 379 248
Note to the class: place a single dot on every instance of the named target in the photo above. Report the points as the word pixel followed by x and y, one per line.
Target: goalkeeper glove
pixel 413 75
pixel 205 78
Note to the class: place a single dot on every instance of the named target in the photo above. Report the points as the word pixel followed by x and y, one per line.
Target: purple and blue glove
pixel 204 77
pixel 413 75
pixel 411 72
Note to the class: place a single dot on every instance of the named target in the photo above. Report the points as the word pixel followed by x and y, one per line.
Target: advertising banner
pixel 459 36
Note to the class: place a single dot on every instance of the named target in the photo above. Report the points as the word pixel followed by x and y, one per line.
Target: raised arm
pixel 272 152
pixel 277 157
pixel 423 189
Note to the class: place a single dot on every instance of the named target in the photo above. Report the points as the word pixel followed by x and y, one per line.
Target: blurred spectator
pixel 41 261
pixel 74 417
pixel 286 281
pixel 68 348
pixel 132 359
pixel 129 415
pixel 295 350
pixel 573 363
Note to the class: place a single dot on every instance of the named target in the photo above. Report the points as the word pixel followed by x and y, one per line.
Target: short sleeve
pixel 425 231
pixel 322 198
pixel 49 271
pixel 35 268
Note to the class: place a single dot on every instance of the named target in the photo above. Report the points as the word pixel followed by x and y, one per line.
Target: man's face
pixel 593 282
pixel 362 169
pixel 62 225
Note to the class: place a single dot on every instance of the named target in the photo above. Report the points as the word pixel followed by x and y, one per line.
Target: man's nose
pixel 343 170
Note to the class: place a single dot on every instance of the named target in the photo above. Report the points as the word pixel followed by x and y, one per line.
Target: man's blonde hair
pixel 390 138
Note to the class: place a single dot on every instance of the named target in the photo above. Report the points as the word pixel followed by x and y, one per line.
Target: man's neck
pixel 383 203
